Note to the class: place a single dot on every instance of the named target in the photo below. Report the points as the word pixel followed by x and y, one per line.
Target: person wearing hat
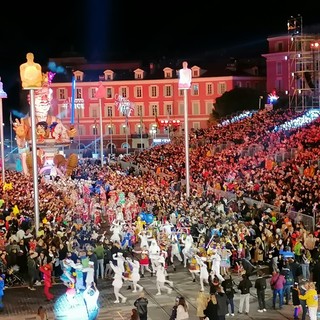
pixel 261 285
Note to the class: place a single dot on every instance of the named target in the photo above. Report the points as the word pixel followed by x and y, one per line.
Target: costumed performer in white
pixel 90 274
pixel 119 258
pixel 135 274
pixel 204 274
pixel 154 253
pixel 161 277
pixel 175 249
pixel 215 267
pixel 187 242
pixel 117 283
pixel 116 229
pixel 144 238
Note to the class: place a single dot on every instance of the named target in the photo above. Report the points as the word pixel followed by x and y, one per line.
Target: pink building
pixel 157 105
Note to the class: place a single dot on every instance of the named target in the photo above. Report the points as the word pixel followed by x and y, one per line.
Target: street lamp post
pixel 260 98
pixel 2 96
pixel 125 107
pixel 100 94
pixel 31 77
pixel 185 84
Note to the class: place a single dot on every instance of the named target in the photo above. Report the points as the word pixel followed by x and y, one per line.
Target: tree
pixel 238 99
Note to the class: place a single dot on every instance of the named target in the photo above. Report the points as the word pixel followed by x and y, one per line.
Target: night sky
pixel 105 30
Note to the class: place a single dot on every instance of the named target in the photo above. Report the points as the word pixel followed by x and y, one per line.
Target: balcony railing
pixel 138 136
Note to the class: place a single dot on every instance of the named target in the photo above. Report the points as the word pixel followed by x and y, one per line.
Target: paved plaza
pixel 21 303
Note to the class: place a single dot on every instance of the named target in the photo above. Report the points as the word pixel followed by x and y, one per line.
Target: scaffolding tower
pixel 303 67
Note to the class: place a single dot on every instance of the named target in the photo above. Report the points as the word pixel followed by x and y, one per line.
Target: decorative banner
pixel 124 105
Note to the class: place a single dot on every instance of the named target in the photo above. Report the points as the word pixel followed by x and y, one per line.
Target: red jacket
pixel 46 270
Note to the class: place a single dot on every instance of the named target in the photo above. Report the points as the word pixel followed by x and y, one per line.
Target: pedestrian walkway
pixel 21 303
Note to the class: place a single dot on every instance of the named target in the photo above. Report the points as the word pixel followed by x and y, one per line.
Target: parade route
pixel 21 303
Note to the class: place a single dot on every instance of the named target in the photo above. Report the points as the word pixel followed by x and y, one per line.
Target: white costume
pixel 215 267
pixel 117 283
pixel 167 228
pixel 143 239
pixel 161 277
pixel 154 252
pixel 90 274
pixel 188 242
pixel 135 275
pixel 204 274
pixel 116 229
pixel 175 249
pixel 120 260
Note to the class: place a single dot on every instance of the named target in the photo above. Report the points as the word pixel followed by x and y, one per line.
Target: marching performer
pixel 135 275
pixel 161 277
pixel 144 260
pixel 117 283
pixel 203 274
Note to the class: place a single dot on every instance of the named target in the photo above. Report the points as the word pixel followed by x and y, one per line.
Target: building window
pixel 62 94
pixel 181 108
pixel 279 47
pixel 92 93
pixel 195 73
pixel 196 125
pixel 154 110
pixel 168 91
pixel 110 129
pixel 238 84
pixel 123 129
pixel 279 68
pixel 109 92
pixel 78 93
pixel 168 109
pixel 81 130
pixel 209 107
pixel 209 89
pixel 94 113
pixel 222 87
pixel 139 111
pixel 154 91
pixel 95 129
pixel 123 92
pixel 138 92
pixel 110 111
pixel 195 89
pixel 195 108
pixel 279 84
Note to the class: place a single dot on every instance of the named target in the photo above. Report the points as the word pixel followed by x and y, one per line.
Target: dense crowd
pixel 152 205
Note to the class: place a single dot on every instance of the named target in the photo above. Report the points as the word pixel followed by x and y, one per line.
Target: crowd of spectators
pixel 73 210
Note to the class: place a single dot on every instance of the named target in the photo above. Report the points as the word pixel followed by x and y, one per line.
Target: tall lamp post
pixel 31 77
pixel 2 96
pixel 185 84
pixel 100 94
pixel 125 107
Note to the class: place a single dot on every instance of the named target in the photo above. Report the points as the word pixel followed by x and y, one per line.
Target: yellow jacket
pixel 311 297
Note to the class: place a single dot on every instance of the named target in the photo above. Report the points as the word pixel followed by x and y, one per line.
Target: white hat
pixel 91 263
